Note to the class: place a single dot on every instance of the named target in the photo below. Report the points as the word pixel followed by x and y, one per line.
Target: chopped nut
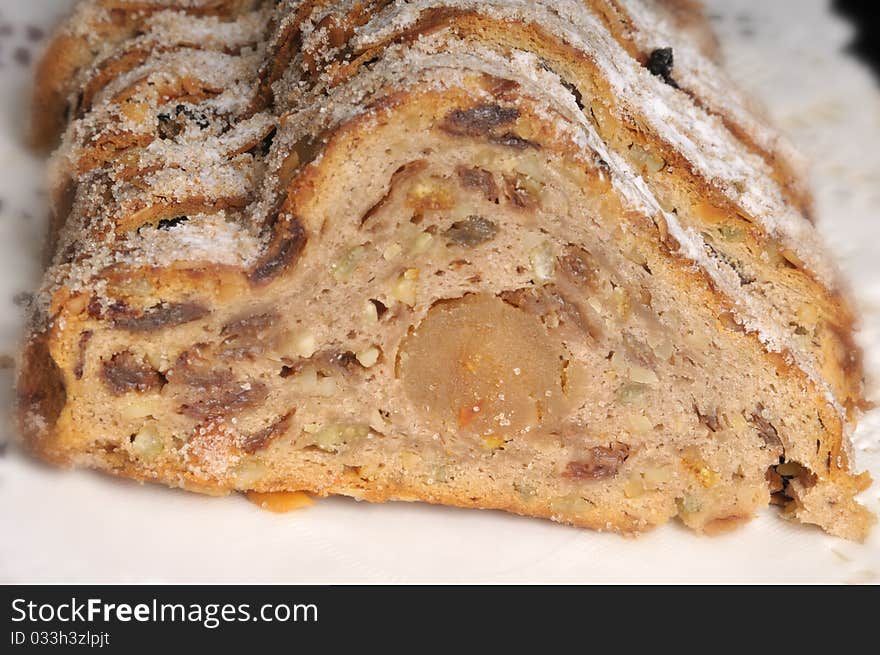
pixel 570 505
pixel 522 191
pixel 634 487
pixel 300 343
pixel 622 303
pixel 310 381
pixel 661 347
pixel 369 356
pixel 248 472
pixel 334 437
pixel 405 288
pixel 731 233
pixel 631 393
pixel 421 243
pixel 600 117
pixel 654 476
pixel 543 263
pixel 644 160
pixel 525 490
pixel 708 418
pixel 765 428
pixel 689 504
pixel 410 460
pixel 371 313
pixel 642 375
pixel 392 252
pixel 147 443
pixel 639 424
pixel 348 263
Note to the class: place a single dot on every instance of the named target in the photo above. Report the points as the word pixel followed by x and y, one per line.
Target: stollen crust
pixel 534 256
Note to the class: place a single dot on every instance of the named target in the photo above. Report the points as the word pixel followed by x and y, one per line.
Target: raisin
pixel 478 121
pixel 709 420
pixel 163 315
pixel 499 87
pixel 660 63
pixel 552 306
pixel 125 372
pixel 259 440
pixel 84 339
pixel 603 462
pixel 512 140
pixel 168 128
pixel 380 306
pixel 473 231
pixel 765 429
pixel 169 223
pixel 263 147
pixel 521 191
pixel 283 251
pixel 197 117
pixel 577 266
pixel 482 180
pixel 251 325
pixel 343 360
pixel 216 392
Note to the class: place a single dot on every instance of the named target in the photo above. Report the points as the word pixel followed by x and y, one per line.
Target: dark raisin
pixel 169 223
pixel 603 462
pixel 227 397
pixel 380 306
pixel 84 339
pixel 259 440
pixel 765 429
pixel 575 92
pixel 197 117
pixel 478 121
pixel 477 178
pixel 282 251
pixel 251 325
pixel 168 127
pixel 163 315
pixel 578 267
pixel 512 140
pixel 710 420
pixel 125 372
pixel 473 231
pixel 263 147
pixel 344 360
pixel 660 63
pixel 520 192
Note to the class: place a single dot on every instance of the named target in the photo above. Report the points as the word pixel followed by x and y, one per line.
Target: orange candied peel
pixel 280 501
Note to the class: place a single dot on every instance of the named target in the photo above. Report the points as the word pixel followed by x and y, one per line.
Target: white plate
pixel 63 526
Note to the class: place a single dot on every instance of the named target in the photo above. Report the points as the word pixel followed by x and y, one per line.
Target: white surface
pixel 63 526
